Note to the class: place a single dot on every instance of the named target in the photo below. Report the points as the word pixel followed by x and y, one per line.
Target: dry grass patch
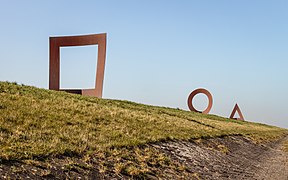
pixel 37 123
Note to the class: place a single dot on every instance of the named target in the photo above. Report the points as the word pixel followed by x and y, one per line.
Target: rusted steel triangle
pixel 236 108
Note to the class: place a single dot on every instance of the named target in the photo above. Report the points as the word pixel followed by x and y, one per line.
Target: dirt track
pixel 275 166
pixel 230 158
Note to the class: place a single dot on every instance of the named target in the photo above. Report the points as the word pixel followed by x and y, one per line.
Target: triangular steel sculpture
pixel 236 108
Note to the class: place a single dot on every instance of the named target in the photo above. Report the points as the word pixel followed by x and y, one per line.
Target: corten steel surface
pixel 84 40
pixel 236 108
pixel 197 91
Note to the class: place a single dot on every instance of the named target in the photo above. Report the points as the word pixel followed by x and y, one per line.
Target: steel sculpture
pixel 84 40
pixel 236 108
pixel 197 91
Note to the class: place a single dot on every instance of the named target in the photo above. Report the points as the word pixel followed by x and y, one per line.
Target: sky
pixel 159 51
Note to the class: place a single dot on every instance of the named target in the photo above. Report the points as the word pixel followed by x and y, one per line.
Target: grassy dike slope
pixel 37 123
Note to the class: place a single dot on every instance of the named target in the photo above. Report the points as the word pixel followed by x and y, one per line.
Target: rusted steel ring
pixel 197 91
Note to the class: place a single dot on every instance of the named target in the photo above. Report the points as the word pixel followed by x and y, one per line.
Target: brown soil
pixel 233 157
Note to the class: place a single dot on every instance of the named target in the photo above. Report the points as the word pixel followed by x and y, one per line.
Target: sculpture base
pixel 238 119
pixel 85 92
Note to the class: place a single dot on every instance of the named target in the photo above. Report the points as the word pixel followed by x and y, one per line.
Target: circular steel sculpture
pixel 197 91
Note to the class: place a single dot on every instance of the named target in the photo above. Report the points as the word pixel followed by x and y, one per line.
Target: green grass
pixel 37 123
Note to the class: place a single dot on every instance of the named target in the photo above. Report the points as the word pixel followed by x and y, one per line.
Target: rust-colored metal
pixel 197 91
pixel 236 108
pixel 84 40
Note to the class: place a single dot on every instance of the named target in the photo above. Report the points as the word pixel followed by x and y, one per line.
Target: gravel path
pixel 230 158
pixel 275 166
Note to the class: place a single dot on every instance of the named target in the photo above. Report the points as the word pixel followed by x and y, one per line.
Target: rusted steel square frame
pixel 84 40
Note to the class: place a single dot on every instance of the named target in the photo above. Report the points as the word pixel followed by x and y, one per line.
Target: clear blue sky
pixel 159 51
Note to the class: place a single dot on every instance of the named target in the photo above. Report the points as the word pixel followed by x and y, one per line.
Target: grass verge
pixel 37 123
